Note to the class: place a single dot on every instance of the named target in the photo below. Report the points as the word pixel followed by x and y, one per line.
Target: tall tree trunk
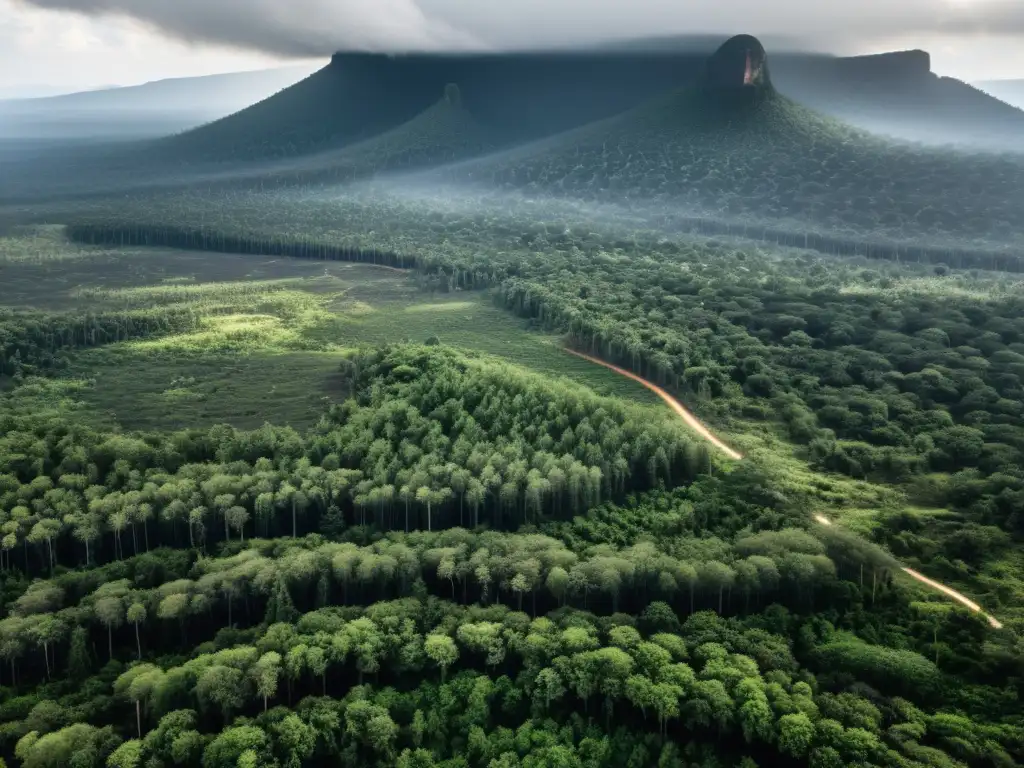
pixel 138 642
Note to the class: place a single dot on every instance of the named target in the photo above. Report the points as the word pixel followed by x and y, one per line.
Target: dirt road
pixel 691 421
pixel 697 426
pixel 938 587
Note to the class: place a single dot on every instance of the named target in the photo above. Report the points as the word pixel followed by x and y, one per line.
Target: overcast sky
pixel 73 44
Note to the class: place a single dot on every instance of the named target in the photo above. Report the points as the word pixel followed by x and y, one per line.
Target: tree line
pixel 431 440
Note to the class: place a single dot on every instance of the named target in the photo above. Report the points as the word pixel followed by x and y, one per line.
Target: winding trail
pixel 697 426
pixel 938 587
pixel 691 421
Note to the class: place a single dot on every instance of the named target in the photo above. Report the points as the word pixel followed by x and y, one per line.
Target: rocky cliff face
pixel 741 62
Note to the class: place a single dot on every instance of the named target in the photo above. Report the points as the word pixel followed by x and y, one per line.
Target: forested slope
pixel 333 106
pixel 444 133
pixel 756 156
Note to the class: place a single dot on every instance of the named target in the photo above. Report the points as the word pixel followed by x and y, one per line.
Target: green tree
pixel 297 739
pixel 228 747
pixel 266 675
pixel 139 684
pixel 137 615
pixel 128 755
pixel 79 659
pixel 796 734
pixel 441 650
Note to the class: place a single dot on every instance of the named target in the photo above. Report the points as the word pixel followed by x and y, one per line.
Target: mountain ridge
pixel 707 153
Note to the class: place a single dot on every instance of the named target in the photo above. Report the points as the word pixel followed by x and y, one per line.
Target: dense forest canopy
pixel 292 563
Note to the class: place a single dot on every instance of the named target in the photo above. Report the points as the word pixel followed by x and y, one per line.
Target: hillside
pixel 1008 91
pixel 749 153
pixel 519 96
pixel 897 94
pixel 527 96
pixel 443 133
pixel 149 110
pixel 333 106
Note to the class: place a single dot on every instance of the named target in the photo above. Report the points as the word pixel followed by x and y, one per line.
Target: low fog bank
pixel 517 211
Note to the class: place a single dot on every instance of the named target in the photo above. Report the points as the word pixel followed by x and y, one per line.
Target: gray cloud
pixel 299 28
pixel 320 27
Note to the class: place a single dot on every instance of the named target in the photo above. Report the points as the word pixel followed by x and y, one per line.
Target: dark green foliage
pixel 891 671
pixel 518 687
pixel 433 438
pixel 334 106
pixel 732 156
pixel 32 343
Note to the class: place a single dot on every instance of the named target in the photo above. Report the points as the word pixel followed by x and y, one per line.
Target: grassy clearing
pixel 245 369
pixel 41 269
pixel 38 245
pixel 273 333
pixel 198 390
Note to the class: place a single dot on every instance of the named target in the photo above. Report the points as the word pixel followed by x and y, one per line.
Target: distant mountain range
pixel 364 114
pixel 732 148
pixel 897 94
pixel 525 96
pixel 41 91
pixel 149 110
